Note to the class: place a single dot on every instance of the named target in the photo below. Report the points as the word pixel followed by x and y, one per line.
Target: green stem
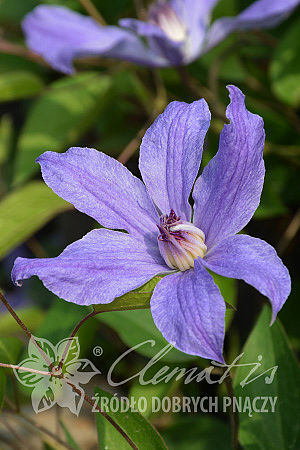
pixel 234 416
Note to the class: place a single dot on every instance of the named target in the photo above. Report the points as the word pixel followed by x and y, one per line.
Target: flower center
pixel 165 17
pixel 180 242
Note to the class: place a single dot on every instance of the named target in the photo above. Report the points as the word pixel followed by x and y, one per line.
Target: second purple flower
pixel 176 32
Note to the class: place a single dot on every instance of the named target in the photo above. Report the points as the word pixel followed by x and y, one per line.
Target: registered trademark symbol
pixel 97 350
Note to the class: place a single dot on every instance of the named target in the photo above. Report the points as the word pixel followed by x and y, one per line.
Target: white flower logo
pixel 48 389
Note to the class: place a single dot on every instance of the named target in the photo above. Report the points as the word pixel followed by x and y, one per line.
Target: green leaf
pixel 136 299
pixel 9 349
pixel 59 117
pixel 285 67
pixel 5 137
pixel 137 428
pixel 277 430
pixel 225 8
pixel 47 446
pixel 19 84
pixel 129 315
pixel 271 204
pixel 53 327
pixel 198 432
pixel 150 391
pixel 15 63
pixel 127 84
pixel 26 210
pixel 14 10
pixel 136 327
pixel 229 62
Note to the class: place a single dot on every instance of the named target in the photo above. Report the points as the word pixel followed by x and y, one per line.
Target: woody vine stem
pixel 51 366
pixel 234 419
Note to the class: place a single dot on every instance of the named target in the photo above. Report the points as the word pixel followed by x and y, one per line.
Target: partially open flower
pixel 175 33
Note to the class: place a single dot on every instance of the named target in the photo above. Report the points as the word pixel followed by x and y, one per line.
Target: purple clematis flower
pixel 176 32
pixel 164 236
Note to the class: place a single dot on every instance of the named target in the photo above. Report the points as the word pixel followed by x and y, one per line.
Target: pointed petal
pixel 101 266
pixel 60 35
pixel 254 261
pixel 228 191
pixel 189 311
pixel 101 187
pixel 171 153
pixel 260 14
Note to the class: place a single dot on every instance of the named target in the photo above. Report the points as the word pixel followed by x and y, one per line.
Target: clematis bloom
pixel 164 236
pixel 176 33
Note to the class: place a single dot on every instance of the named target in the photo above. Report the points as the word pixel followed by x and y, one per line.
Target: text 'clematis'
pixel 164 236
pixel 175 33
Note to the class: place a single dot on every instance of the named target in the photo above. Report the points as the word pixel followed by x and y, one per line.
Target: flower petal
pixel 168 51
pixel 61 35
pixel 228 191
pixel 261 14
pixel 196 15
pixel 101 187
pixel 171 153
pixel 101 266
pixel 254 261
pixel 189 311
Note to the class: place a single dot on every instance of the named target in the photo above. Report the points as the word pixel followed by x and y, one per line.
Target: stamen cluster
pixel 165 17
pixel 180 242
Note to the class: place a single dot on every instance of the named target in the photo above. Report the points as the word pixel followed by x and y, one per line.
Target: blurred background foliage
pixel 108 105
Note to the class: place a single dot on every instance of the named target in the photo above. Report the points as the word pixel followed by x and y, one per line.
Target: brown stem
pixel 282 109
pixel 19 50
pixel 26 369
pixel 92 11
pixel 140 9
pixel 234 416
pixel 14 434
pixel 91 314
pixel 110 420
pixel 74 332
pixel 159 103
pixel 36 248
pixel 133 145
pixel 215 67
pixel 15 316
pixel 289 233
pixel 25 329
pixel 34 425
pixel 201 91
pixel 86 397
pixel 266 38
